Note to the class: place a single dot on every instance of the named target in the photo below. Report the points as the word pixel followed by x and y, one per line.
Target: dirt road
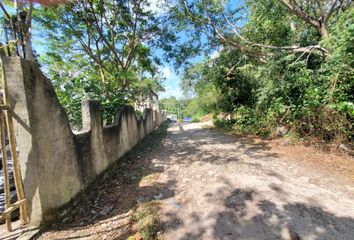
pixel 226 187
pixel 203 184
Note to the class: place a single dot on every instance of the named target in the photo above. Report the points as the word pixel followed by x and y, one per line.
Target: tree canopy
pixel 279 67
pixel 266 62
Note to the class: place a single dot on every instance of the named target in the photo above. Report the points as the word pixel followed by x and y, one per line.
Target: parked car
pixel 172 118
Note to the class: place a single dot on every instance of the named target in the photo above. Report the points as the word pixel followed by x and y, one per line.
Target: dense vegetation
pixel 269 62
pixel 182 108
pixel 111 43
pixel 260 83
pixel 94 49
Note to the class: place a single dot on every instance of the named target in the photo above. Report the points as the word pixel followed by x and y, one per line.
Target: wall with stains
pixel 57 164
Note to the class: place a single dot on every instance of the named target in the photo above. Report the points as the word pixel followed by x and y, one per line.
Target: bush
pixel 222 123
pixel 195 120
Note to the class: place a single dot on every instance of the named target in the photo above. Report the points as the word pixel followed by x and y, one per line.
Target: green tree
pixel 278 68
pixel 170 104
pixel 219 22
pixel 105 40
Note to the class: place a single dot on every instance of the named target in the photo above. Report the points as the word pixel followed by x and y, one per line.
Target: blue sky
pixel 172 78
pixel 171 83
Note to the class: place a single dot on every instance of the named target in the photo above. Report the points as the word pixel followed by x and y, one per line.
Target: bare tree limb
pixel 244 47
pixel 4 10
pixel 330 11
pixel 291 48
pixel 295 9
pixel 29 14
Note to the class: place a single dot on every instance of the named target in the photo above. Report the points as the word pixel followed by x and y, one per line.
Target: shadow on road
pixel 293 221
pixel 189 142
pixel 104 210
pixel 230 212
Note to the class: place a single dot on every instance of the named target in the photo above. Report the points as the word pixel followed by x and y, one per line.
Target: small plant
pixel 195 120
pixel 221 123
pixel 146 222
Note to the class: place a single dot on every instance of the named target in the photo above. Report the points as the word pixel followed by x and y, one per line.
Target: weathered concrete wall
pixel 57 164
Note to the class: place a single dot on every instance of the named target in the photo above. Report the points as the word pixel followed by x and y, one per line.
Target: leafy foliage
pixel 102 50
pixel 310 93
pixel 275 62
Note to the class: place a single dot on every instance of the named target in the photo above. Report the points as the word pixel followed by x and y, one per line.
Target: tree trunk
pixel 323 31
pixel 103 78
pixel 28 46
pixel 25 20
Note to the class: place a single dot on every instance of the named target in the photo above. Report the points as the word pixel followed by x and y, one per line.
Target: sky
pixel 171 84
pixel 172 79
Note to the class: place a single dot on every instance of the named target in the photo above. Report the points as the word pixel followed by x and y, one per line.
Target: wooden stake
pixel 12 208
pixel 12 143
pixel 6 173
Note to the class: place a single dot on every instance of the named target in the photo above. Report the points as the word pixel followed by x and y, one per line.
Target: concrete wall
pixel 57 164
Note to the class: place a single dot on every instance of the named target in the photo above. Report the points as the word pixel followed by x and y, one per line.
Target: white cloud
pixel 168 73
pixel 216 53
pixel 171 83
pixel 171 92
pixel 157 6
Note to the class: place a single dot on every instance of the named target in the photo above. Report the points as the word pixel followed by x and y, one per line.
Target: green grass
pixel 146 222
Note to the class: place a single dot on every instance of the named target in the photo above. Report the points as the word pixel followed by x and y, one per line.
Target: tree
pixel 20 24
pixel 116 35
pixel 316 13
pixel 310 93
pixel 220 22
pixel 170 104
pixel 107 40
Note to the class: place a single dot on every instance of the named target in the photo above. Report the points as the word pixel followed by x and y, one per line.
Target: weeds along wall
pixel 57 164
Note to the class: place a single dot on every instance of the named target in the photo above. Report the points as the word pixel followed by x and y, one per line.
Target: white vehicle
pixel 172 118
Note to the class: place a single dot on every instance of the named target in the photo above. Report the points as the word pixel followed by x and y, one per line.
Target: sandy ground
pixel 212 185
pixel 228 187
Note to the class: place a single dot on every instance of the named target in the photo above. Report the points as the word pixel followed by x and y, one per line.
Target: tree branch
pixel 4 10
pixel 295 9
pixel 219 35
pixel 243 48
pixel 29 15
pixel 330 11
pixel 99 30
pixel 292 48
